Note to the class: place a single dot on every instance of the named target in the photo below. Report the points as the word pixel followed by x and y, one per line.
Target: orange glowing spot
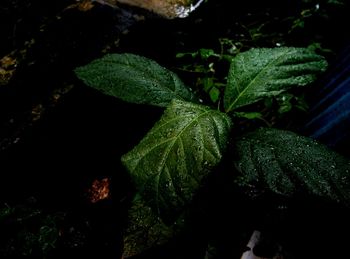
pixel 99 190
pixel 85 6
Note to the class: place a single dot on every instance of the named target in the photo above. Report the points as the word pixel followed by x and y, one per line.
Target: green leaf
pixel 284 101
pixel 172 160
pixel 260 73
pixel 134 79
pixel 285 163
pixel 249 115
pixel 145 229
pixel 214 94
pixel 207 53
pixel 208 83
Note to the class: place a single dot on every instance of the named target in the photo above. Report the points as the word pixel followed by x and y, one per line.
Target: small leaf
pixel 214 94
pixel 145 229
pixel 172 160
pixel 284 162
pixel 284 101
pixel 207 53
pixel 260 73
pixel 182 54
pixel 285 107
pixel 208 83
pixel 134 79
pixel 249 115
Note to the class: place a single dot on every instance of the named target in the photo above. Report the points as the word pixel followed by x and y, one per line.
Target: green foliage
pixel 172 160
pixel 260 73
pixel 284 162
pixel 28 231
pixel 203 63
pixel 313 9
pixel 171 163
pixel 249 115
pixel 134 79
pixel 145 229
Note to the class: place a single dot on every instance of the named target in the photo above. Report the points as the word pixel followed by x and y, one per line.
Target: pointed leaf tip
pixel 264 72
pixel 134 79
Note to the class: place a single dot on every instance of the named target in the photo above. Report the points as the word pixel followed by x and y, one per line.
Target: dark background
pixel 57 135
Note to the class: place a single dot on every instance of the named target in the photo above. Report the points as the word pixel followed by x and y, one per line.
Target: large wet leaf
pixel 172 160
pixel 134 79
pixel 285 163
pixel 263 72
pixel 145 229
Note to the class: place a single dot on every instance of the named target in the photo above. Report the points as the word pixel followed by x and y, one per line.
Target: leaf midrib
pixel 291 170
pixel 271 63
pixel 151 76
pixel 168 151
pixel 169 139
